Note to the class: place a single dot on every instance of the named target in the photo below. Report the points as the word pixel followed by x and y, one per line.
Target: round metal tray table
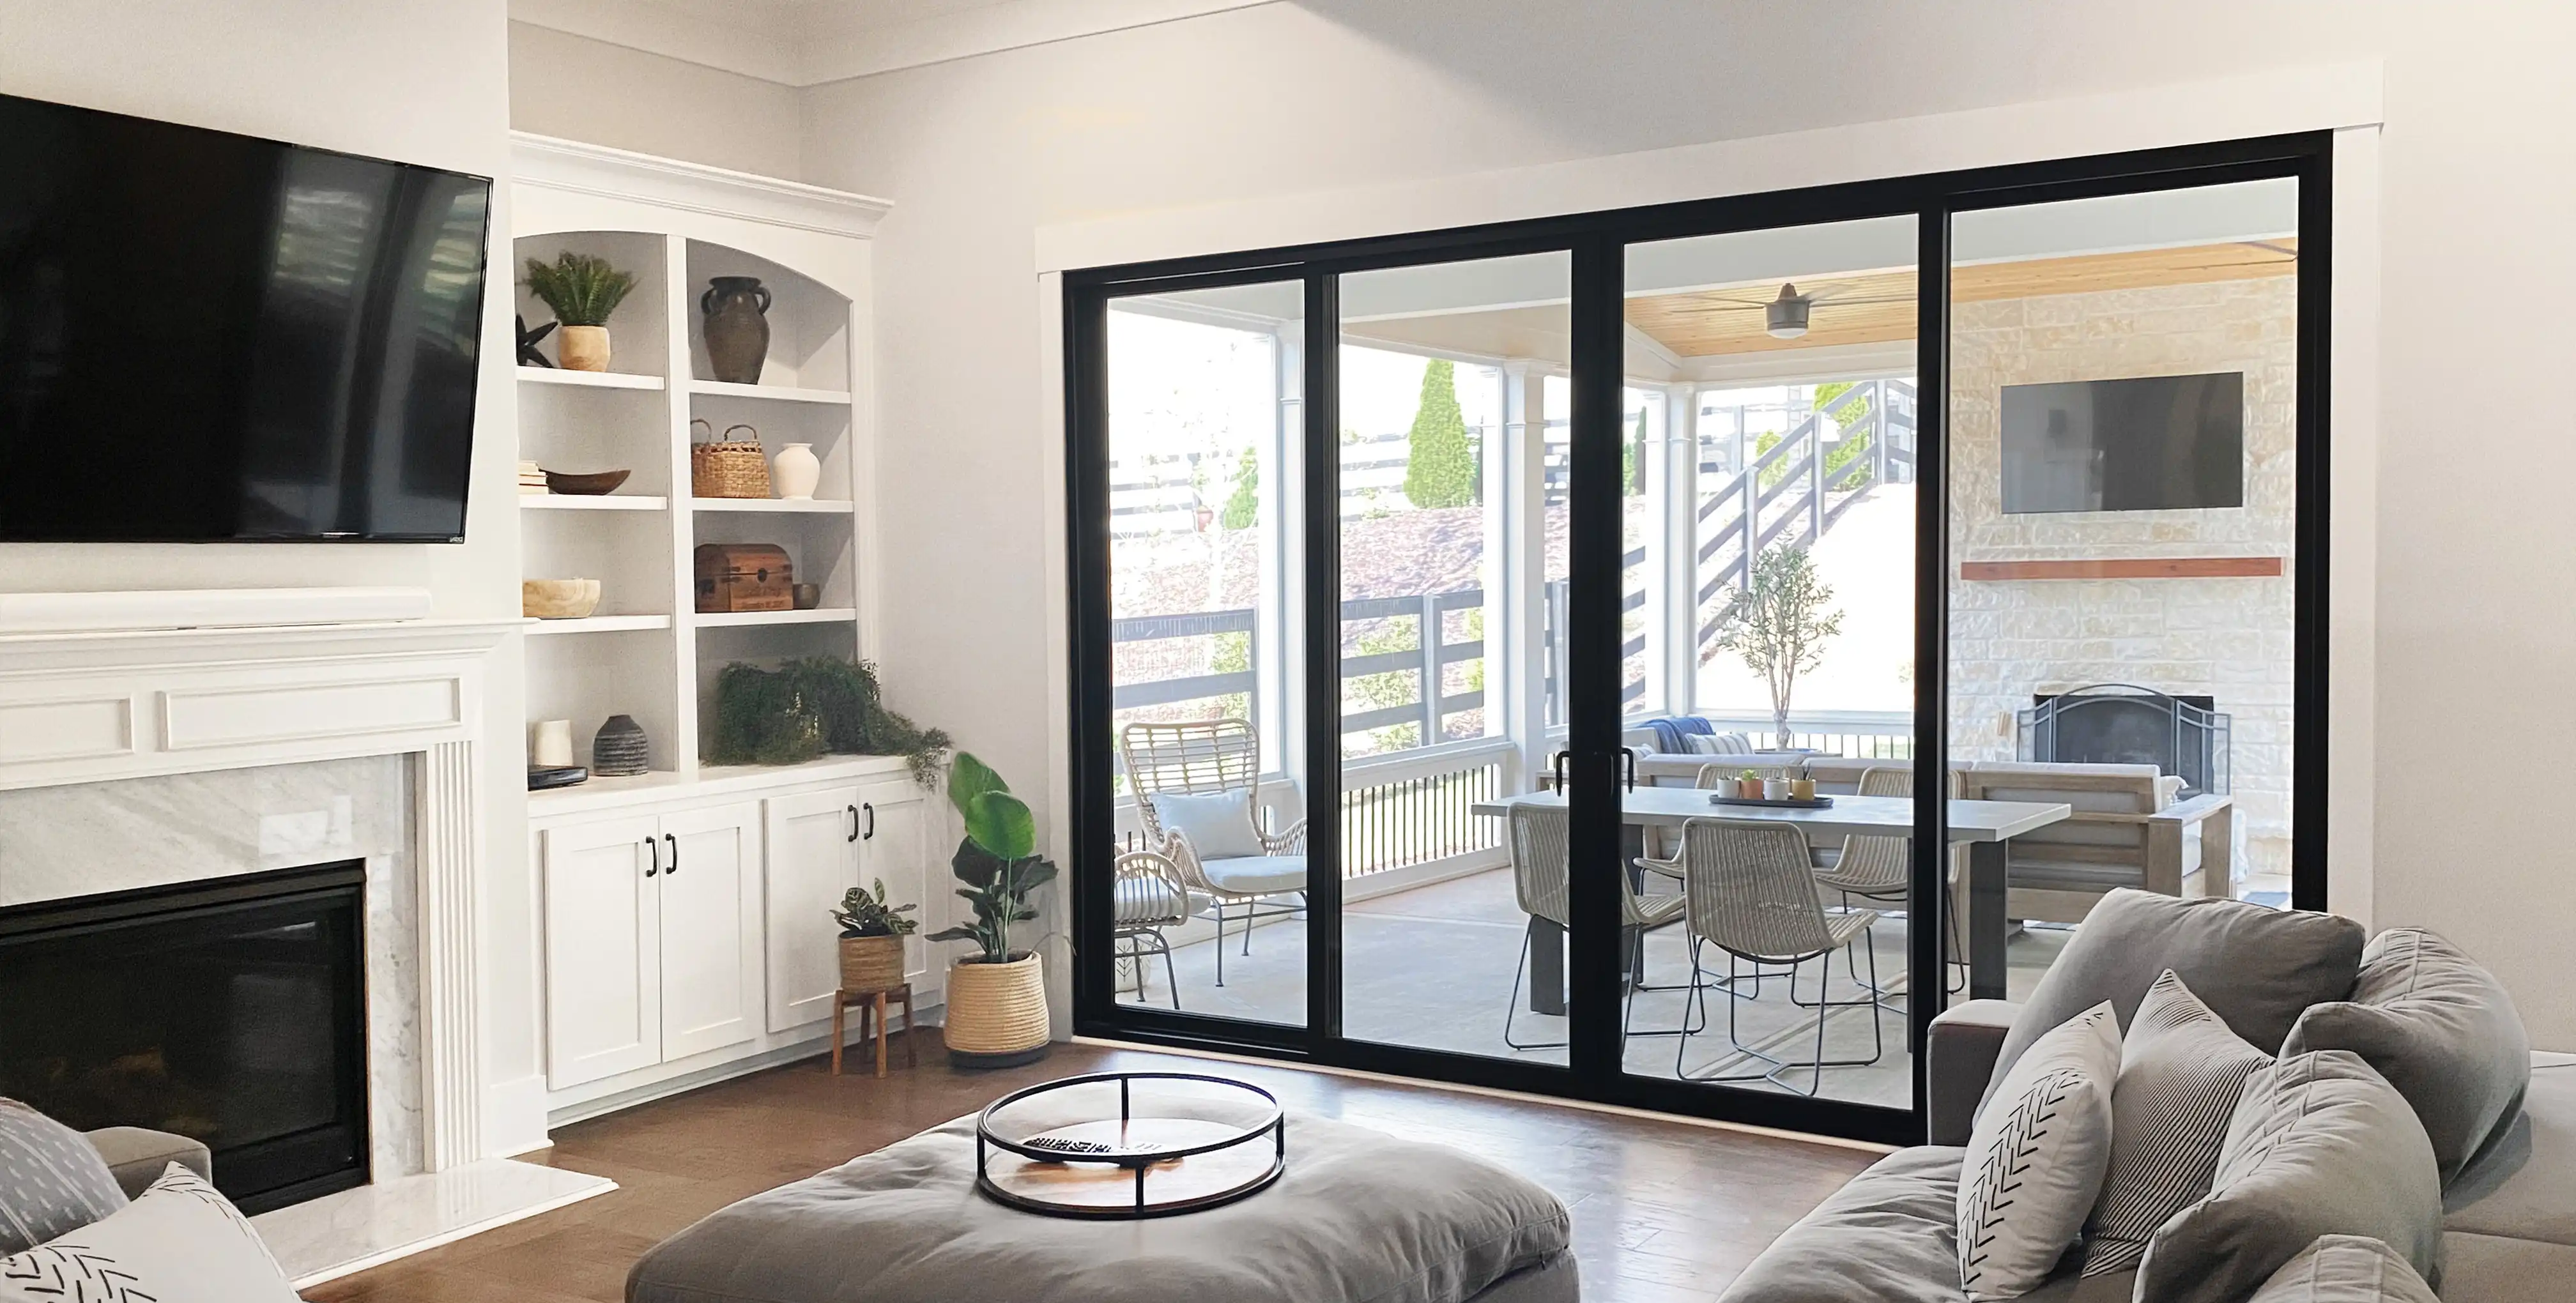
pixel 1133 1165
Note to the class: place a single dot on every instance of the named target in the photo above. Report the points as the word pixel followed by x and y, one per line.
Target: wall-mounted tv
pixel 206 336
pixel 2158 443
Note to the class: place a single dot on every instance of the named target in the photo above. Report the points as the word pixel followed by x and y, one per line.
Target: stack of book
pixel 531 479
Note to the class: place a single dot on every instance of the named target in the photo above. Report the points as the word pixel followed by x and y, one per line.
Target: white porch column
pixel 1678 634
pixel 1279 619
pixel 1516 569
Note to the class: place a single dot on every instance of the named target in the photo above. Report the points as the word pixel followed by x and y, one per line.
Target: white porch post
pixel 1655 569
pixel 1279 621
pixel 1679 632
pixel 1516 570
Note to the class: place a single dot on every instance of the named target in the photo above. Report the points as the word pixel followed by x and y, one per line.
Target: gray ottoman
pixel 1359 1217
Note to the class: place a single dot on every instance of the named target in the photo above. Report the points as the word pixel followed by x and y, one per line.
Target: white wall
pixel 581 89
pixel 2476 607
pixel 422 81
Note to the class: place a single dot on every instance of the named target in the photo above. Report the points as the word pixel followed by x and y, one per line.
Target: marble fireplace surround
pixel 240 749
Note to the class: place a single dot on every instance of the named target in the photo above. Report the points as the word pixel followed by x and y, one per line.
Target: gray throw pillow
pixel 2441 1029
pixel 2257 968
pixel 2320 1145
pixel 2345 1269
pixel 52 1181
pixel 2181 1075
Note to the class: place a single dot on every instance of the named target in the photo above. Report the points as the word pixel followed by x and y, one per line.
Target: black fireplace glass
pixel 231 1011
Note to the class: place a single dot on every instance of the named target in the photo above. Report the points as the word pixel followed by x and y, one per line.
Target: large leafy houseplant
pixel 997 861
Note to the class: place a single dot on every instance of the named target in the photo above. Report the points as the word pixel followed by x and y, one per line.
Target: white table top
pixel 1865 816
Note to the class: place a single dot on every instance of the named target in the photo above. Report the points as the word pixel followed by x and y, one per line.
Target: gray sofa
pixel 137 1157
pixel 2509 1192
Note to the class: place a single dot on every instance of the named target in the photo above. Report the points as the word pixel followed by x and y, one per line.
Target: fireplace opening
pixel 232 1011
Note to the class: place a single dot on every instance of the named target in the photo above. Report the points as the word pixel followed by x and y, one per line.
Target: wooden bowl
pixel 558 599
pixel 586 486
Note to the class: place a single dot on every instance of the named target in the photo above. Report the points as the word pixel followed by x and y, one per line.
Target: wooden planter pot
pixel 871 963
pixel 997 1014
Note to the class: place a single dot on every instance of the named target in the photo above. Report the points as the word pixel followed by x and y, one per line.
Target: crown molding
pixel 810 44
pixel 693 187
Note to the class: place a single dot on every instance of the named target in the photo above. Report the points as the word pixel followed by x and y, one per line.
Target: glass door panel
pixel 1776 515
pixel 1452 502
pixel 1204 423
pixel 2123 472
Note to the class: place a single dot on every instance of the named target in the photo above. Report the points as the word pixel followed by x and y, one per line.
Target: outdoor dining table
pixel 1985 826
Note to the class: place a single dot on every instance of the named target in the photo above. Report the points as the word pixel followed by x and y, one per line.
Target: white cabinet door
pixel 896 844
pixel 813 862
pixel 603 931
pixel 711 925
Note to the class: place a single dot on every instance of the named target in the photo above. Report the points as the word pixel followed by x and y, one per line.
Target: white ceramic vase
pixel 796 470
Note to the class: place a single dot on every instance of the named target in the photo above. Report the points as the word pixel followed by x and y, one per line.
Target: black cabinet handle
pixel 656 851
pixel 854 824
pixel 675 854
pixel 872 820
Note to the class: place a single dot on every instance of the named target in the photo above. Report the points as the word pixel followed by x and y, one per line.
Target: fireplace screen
pixel 2114 723
pixel 231 1011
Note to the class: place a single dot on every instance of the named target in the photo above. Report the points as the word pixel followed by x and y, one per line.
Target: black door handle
pixel 675 854
pixel 1628 766
pixel 872 820
pixel 1558 766
pixel 655 851
pixel 854 823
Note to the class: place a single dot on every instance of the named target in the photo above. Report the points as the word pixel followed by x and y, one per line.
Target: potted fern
pixel 582 289
pixel 997 1014
pixel 872 934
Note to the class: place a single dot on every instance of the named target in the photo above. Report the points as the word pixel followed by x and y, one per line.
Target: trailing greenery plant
pixel 582 288
pixel 1779 625
pixel 807 708
pixel 866 914
pixel 998 861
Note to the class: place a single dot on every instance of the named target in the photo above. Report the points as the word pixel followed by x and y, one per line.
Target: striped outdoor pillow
pixel 2181 1073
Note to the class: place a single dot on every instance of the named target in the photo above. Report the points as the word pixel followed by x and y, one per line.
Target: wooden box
pixel 744 577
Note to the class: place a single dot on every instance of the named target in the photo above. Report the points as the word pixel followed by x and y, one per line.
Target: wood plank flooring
pixel 1663 1212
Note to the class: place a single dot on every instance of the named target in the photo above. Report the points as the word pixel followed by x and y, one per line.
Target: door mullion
pixel 1322 482
pixel 1596 540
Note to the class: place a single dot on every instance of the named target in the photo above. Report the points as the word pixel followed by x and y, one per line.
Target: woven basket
pixel 996 1008
pixel 871 963
pixel 728 467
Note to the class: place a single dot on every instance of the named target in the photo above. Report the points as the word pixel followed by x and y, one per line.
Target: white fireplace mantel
pixel 93 707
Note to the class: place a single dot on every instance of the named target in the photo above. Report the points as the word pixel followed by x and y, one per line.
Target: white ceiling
pixel 806 42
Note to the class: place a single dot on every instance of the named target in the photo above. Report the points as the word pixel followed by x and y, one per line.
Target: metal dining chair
pixel 1881 869
pixel 1749 889
pixel 1541 878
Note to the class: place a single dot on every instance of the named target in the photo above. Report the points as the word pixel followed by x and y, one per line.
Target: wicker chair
pixel 1711 777
pixel 1881 869
pixel 1751 892
pixel 1541 878
pixel 1210 758
pixel 1149 896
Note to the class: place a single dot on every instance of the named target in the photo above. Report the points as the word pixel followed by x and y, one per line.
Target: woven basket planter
pixel 997 1013
pixel 871 963
pixel 729 467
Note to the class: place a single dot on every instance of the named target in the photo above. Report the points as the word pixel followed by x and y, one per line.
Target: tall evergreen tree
pixel 1439 471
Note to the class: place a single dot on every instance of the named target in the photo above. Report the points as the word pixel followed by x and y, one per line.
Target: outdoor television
pixel 206 336
pixel 2158 443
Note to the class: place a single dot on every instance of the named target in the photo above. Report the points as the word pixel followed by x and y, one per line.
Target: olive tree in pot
pixel 997 1012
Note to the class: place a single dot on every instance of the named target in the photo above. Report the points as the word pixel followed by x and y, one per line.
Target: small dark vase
pixel 737 327
pixel 620 750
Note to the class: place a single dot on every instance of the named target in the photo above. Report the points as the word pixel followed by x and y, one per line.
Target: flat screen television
pixel 2158 443
pixel 206 336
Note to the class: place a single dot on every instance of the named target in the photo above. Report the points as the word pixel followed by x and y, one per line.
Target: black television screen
pixel 206 336
pixel 2151 444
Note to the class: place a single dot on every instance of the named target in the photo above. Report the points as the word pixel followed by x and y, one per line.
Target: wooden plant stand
pixel 876 1001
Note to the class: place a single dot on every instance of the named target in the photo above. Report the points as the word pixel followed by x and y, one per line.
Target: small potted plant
pixel 582 289
pixel 1748 786
pixel 997 1013
pixel 872 934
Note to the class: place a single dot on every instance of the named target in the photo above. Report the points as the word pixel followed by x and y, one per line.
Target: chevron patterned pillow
pixel 2036 1157
pixel 2181 1073
pixel 180 1241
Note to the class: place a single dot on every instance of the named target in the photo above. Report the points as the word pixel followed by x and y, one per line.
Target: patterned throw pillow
pixel 2181 1073
pixel 180 1243
pixel 2036 1157
pixel 52 1180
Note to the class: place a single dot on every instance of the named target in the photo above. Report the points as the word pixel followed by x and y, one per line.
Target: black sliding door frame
pixel 1596 243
